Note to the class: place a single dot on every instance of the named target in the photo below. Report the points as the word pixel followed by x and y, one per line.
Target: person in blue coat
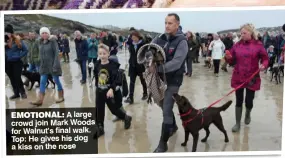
pixel 92 51
pixel 81 46
pixel 15 50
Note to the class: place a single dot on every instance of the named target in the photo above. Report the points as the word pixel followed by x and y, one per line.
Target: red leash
pixel 214 103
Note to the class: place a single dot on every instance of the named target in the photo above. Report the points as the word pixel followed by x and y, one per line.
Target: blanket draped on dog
pixel 153 55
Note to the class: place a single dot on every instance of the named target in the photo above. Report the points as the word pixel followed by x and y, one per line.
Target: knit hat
pixel 44 29
pixel 9 29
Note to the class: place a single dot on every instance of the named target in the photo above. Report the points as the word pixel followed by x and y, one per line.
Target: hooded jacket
pixel 49 59
pixel 33 55
pixel 133 63
pixel 92 48
pixel 14 53
pixel 217 49
pixel 246 56
pixel 176 50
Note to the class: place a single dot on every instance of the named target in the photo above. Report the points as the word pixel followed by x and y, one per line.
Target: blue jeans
pixel 44 79
pixel 33 67
pixel 83 69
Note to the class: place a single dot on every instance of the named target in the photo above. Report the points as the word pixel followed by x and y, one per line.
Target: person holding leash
pixel 176 48
pixel 246 56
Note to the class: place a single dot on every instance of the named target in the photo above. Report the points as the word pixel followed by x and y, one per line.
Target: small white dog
pixel 91 65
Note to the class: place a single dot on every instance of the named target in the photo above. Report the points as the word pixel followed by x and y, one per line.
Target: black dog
pixel 194 121
pixel 36 77
pixel 276 72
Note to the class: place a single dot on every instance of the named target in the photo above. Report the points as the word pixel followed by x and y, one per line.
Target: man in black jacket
pixel 228 41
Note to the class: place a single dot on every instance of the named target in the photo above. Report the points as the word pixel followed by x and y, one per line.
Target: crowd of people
pixel 41 55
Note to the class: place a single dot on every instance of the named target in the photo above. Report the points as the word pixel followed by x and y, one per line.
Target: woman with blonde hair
pixel 15 50
pixel 246 55
pixel 49 64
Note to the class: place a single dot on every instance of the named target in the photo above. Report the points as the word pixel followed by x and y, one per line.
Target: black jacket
pixel 133 63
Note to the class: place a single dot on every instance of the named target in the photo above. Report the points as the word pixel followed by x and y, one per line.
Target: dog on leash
pixel 194 120
pixel 276 73
pixel 208 62
pixel 36 77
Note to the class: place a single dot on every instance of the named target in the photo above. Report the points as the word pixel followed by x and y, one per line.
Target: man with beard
pixel 175 46
pixel 228 41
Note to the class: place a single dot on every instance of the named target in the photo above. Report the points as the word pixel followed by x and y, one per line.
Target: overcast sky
pixel 202 21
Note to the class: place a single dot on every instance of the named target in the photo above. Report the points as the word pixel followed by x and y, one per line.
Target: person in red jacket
pixel 246 55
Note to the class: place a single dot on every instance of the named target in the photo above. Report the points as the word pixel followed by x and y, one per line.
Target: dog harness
pixel 184 123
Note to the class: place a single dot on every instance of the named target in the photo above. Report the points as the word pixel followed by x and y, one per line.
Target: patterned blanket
pixel 153 55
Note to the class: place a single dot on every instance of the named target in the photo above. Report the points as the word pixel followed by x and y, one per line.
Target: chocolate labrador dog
pixel 194 120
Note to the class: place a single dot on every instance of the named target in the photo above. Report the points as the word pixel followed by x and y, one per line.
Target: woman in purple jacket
pixel 246 55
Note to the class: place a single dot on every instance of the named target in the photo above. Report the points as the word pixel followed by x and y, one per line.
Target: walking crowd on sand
pixel 41 53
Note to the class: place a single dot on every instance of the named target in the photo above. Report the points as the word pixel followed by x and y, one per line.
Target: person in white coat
pixel 218 48
pixel 235 38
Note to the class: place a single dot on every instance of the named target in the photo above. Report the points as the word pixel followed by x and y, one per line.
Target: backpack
pixel 122 82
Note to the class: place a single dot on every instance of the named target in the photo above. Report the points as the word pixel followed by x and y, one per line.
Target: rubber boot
pixel 60 97
pixel 165 134
pixel 247 118
pixel 40 100
pixel 236 127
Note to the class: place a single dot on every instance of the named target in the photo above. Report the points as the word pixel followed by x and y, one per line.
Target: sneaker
pixel 129 100
pixel 24 96
pixel 14 97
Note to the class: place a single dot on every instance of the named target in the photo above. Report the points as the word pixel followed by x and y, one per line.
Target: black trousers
pixel 114 105
pixel 133 75
pixel 14 71
pixel 216 63
pixel 248 98
pixel 65 55
pixel 89 61
pixel 189 64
